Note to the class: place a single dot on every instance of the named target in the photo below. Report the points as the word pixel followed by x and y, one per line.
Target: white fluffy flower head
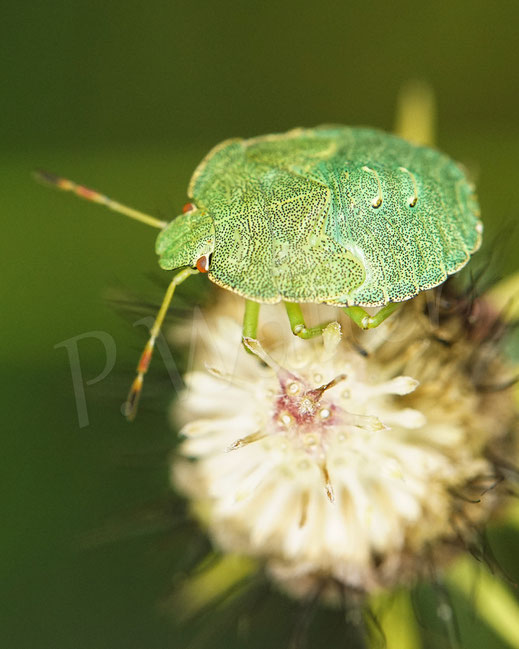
pixel 334 459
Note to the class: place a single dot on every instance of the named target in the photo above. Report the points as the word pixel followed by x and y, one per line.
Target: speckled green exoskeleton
pixel 350 217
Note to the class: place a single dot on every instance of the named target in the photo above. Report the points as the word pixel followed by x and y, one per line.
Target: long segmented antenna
pixel 132 401
pixel 96 197
pixel 130 406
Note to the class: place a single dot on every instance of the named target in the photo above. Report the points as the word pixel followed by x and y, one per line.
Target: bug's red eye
pixel 202 264
pixel 188 207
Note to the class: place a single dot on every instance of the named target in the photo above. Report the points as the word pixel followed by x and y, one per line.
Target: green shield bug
pixel 345 216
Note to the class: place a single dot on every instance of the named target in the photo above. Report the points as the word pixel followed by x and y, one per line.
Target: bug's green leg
pixel 132 401
pixel 365 321
pixel 297 322
pixel 250 321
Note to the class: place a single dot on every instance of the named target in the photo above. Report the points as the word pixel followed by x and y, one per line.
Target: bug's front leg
pixel 297 322
pixel 365 321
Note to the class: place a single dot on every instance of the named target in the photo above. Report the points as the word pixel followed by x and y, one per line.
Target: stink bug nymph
pixel 345 216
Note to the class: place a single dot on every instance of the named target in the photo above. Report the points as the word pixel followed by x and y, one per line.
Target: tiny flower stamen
pixel 328 484
pixel 324 413
pixel 332 383
pixel 286 419
pixel 294 388
pixel 244 441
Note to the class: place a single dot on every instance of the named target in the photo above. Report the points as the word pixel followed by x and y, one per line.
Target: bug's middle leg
pixel 297 322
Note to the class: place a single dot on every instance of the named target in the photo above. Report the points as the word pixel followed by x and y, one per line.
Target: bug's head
pixel 187 241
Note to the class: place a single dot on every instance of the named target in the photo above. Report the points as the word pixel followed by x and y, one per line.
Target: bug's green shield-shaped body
pixel 346 216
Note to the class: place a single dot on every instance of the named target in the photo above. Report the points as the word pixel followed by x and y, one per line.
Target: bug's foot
pixel 309 332
pixel 250 344
pixel 301 331
pixel 365 321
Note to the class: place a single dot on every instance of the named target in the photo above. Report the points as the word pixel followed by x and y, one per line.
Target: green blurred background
pixel 127 97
